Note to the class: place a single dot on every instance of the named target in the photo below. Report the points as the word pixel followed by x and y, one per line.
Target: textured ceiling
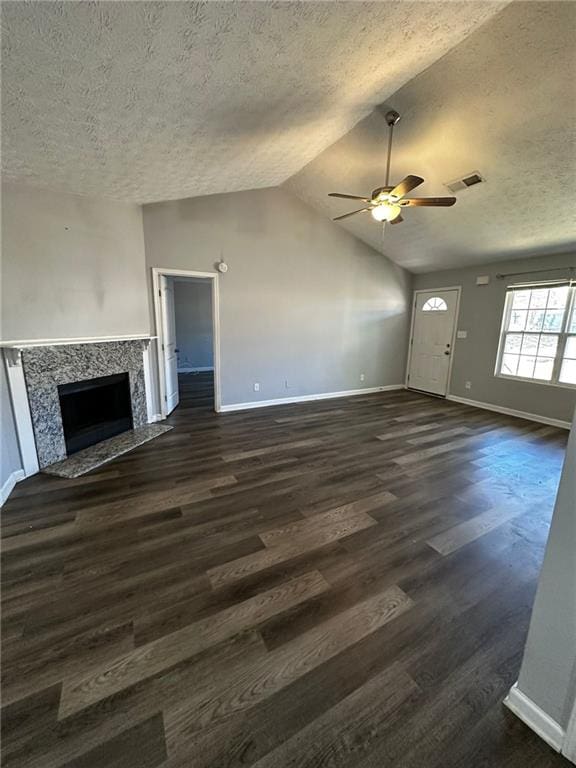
pixel 147 101
pixel 503 102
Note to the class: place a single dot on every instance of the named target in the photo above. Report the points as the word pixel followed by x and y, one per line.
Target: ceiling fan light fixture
pixel 386 203
pixel 385 212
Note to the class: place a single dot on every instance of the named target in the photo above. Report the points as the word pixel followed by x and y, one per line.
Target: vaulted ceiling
pixel 147 101
pixel 503 102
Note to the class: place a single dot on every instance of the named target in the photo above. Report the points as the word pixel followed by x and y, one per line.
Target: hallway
pixel 196 390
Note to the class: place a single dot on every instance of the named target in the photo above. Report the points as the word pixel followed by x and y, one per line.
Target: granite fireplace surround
pixel 46 367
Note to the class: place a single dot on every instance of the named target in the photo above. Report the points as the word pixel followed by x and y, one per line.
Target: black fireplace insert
pixel 94 410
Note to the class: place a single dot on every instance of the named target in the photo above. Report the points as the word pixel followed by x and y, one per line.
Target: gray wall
pixel 9 452
pixel 548 672
pixel 303 301
pixel 72 266
pixel 481 316
pixel 193 311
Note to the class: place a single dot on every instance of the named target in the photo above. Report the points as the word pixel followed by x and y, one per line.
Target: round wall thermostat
pixel 222 266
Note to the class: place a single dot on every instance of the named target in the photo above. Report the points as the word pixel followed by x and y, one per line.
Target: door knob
pixel 447 352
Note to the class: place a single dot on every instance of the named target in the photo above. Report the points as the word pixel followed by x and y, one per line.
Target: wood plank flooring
pixel 344 583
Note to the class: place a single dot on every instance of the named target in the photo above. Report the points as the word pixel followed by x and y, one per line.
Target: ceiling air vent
pixel 469 180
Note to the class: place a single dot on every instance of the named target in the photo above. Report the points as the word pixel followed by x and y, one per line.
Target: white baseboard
pixel 8 486
pixel 535 718
pixel 510 412
pixel 306 398
pixel 156 417
pixel 569 746
pixel 195 370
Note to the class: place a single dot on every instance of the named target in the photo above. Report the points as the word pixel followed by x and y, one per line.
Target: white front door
pixel 432 339
pixel 169 348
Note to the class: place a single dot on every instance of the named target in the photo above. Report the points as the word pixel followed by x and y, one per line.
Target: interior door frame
pixel 458 289
pixel 157 272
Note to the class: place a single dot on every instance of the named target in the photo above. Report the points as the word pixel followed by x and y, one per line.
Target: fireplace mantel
pixel 16 353
pixel 13 348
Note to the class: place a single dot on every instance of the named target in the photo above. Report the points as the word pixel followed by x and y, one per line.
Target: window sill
pixel 535 381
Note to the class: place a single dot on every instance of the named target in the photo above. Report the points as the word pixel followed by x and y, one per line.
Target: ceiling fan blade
pixel 415 201
pixel 352 213
pixel 397 220
pixel 349 197
pixel 405 186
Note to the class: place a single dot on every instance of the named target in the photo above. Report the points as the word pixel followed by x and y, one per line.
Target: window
pixel 538 338
pixel 435 304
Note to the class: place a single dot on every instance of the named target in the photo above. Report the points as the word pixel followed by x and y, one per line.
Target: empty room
pixel 288 384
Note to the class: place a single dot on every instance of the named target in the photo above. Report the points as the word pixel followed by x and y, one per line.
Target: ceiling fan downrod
pixel 391 117
pixel 385 203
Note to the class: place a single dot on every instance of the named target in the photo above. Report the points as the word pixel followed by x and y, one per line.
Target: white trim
pixel 307 398
pixel 510 412
pixel 196 370
pixel 562 335
pixel 561 384
pixel 160 373
pixel 148 382
pixel 25 343
pixel 9 484
pixel 213 276
pixel 535 718
pixel 156 417
pixel 183 272
pixel 457 288
pixel 569 746
pixel 216 341
pixel 21 412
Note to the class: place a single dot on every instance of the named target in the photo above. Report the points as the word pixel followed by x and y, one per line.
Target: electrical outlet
pixel 362 377
pixel 256 386
pixel 468 385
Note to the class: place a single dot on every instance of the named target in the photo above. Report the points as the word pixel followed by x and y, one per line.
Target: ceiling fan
pixel 386 203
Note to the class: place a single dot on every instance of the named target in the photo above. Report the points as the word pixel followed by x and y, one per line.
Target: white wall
pixel 548 672
pixel 303 302
pixel 72 266
pixel 193 312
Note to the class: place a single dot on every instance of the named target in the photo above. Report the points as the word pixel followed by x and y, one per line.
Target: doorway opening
pixel 186 308
pixel 432 336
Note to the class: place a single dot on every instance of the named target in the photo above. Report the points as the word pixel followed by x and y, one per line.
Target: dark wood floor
pixel 196 390
pixel 342 583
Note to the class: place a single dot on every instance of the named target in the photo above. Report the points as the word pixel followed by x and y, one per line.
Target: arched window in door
pixel 435 304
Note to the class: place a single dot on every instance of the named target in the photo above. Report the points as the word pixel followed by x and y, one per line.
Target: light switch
pixel 462 335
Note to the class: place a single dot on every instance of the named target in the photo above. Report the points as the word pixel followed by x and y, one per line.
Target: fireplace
pixel 49 372
pixel 94 410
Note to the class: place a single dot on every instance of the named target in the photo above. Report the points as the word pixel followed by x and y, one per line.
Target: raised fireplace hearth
pixel 94 410
pixel 82 394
